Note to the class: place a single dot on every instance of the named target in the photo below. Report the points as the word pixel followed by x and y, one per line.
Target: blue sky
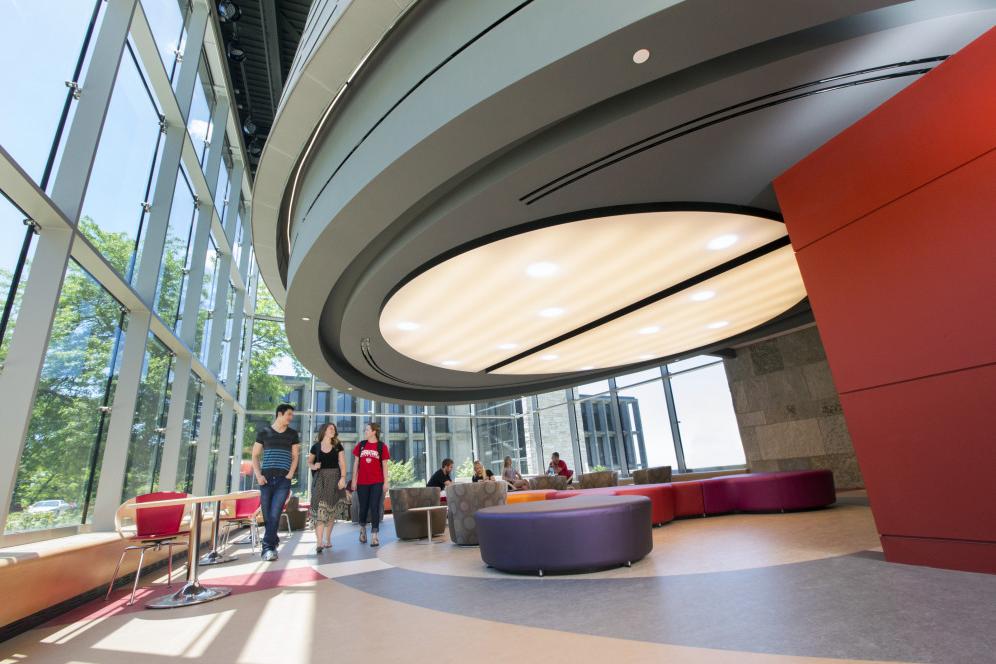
pixel 41 41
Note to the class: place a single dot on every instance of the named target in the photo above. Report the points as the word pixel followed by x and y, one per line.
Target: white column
pixel 174 424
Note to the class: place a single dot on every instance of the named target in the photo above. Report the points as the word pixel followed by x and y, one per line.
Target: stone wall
pixel 788 410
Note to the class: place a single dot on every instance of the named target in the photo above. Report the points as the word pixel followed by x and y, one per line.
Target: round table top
pixel 190 500
pixel 426 509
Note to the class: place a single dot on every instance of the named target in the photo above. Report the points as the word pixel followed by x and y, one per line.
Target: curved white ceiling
pixel 492 303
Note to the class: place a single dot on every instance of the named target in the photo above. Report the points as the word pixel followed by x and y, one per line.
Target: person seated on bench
pixel 441 478
pixel 481 475
pixel 512 476
pixel 558 467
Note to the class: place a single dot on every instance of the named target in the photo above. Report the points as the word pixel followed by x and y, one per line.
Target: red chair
pixel 155 527
pixel 243 514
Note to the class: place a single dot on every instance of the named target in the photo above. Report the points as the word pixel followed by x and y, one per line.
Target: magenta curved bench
pixel 784 491
pixel 747 492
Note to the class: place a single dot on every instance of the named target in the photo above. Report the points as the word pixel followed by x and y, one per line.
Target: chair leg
pixel 169 567
pixel 117 569
pixel 283 515
pixel 138 573
pixel 253 535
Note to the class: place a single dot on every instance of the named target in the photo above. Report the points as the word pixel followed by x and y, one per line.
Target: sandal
pixel 318 549
pixel 363 536
pixel 374 539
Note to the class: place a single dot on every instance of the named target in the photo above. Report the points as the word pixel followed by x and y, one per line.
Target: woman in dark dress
pixel 328 487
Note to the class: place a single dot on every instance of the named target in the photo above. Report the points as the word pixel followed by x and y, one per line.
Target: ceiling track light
pixel 229 12
pixel 234 50
pixel 249 126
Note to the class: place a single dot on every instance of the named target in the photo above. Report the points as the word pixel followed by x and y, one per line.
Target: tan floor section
pixel 689 546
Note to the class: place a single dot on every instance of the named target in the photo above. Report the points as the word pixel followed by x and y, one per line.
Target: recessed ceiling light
pixel 350 389
pixel 587 368
pixel 641 56
pixel 653 329
pixel 718 324
pixel 550 357
pixel 305 318
pixel 551 312
pixel 450 363
pixel 542 269
pixel 646 357
pixel 702 296
pixel 508 346
pixel 722 242
pixel 408 326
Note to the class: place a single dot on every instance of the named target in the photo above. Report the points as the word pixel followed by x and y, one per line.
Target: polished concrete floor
pixel 804 587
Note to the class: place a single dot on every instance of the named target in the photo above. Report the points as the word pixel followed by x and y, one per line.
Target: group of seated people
pixel 442 478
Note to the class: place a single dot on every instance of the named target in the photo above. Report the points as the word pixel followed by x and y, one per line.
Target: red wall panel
pixel 914 439
pixel 933 126
pixel 894 222
pixel 924 269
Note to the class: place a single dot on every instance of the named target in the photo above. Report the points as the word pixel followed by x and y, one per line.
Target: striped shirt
pixel 276 447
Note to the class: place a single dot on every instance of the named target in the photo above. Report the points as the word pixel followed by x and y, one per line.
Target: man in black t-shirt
pixel 274 459
pixel 441 478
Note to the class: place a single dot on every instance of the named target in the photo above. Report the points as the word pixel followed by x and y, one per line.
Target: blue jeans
pixel 371 502
pixel 272 497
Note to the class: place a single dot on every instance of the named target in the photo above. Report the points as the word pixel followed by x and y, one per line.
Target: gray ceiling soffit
pixel 718 130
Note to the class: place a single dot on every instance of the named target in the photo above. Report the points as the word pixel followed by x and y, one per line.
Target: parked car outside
pixel 45 506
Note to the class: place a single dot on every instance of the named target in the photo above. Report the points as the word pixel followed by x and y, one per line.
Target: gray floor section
pixel 848 607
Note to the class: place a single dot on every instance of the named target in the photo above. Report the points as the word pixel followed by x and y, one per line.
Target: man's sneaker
pixel 269 555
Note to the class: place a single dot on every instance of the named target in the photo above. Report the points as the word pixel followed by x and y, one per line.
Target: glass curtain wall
pixel 134 171
pixel 679 415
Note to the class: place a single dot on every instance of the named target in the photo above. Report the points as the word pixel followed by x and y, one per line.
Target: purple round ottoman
pixel 580 534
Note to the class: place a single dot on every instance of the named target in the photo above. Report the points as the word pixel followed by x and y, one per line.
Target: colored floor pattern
pixel 805 587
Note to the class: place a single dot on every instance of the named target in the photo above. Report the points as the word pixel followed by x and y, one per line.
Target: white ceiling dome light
pixel 621 287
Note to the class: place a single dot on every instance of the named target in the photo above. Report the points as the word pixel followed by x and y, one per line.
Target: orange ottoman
pixel 529 496
pixel 688 499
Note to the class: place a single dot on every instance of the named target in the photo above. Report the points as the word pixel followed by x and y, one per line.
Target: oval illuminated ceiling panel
pixel 596 292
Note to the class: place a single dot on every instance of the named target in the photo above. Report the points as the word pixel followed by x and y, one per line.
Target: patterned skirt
pixel 328 502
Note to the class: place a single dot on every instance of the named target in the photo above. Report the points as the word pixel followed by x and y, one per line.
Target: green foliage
pixel 599 468
pixel 465 469
pixel 63 435
pixel 171 277
pixel 145 449
pixel 22 521
pixel 401 473
pixel 269 347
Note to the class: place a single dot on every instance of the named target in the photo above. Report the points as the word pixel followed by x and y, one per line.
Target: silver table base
pixel 192 591
pixel 215 557
pixel 189 594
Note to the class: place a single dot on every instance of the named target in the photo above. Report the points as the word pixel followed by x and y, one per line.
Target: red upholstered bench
pixel 661 498
pixel 688 499
pixel 749 492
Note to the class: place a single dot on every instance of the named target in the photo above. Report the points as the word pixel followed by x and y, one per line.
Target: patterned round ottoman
pixel 581 534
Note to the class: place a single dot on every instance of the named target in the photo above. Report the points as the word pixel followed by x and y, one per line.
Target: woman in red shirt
pixel 370 480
